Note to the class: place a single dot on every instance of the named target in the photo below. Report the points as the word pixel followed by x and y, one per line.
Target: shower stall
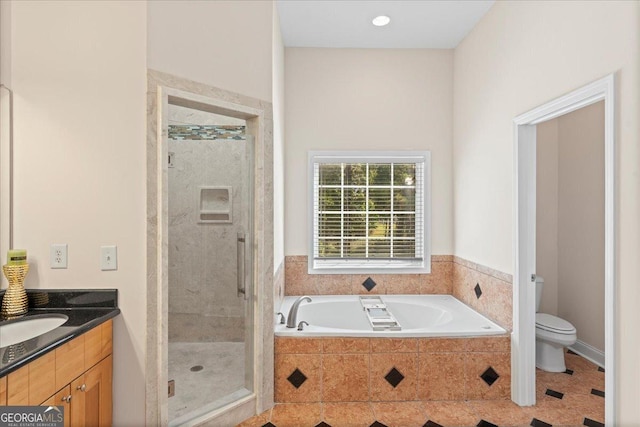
pixel 210 236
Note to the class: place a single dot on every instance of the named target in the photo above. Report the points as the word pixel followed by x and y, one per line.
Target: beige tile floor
pixel 563 399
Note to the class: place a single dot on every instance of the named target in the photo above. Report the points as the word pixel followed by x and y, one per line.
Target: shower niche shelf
pixel 215 204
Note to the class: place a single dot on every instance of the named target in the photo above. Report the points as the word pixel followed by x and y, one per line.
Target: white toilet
pixel 553 334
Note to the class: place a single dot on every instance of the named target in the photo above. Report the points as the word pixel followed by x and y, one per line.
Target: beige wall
pixel 79 84
pixel 547 213
pixel 227 44
pixel 521 55
pixel 581 222
pixel 570 246
pixel 278 144
pixel 367 99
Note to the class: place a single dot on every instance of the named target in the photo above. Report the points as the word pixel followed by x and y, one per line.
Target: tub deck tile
pixel 345 378
pixel 303 345
pixel 441 376
pixel 405 378
pixel 346 345
pixel 394 345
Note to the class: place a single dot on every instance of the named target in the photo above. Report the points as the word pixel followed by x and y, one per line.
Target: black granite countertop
pixel 85 309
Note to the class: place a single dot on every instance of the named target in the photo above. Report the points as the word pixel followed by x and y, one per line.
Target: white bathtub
pixel 419 316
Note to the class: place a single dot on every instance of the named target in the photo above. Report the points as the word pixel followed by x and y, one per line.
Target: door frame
pixel 259 118
pixel 523 391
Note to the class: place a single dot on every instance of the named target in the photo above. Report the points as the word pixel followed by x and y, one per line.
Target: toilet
pixel 553 334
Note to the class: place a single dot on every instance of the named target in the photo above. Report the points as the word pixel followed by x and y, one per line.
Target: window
pixel 369 212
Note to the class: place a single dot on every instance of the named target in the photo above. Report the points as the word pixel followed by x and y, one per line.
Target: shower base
pixel 203 373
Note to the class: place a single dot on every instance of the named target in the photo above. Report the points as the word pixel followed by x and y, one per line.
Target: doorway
pixel 523 338
pixel 209 281
pixel 210 215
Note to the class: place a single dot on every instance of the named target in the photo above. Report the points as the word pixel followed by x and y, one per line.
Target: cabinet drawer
pixel 42 378
pixel 69 361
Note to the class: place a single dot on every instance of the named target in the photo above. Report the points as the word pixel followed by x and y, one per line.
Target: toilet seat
pixel 554 324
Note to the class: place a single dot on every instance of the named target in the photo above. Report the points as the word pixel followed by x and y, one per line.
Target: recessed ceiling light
pixel 381 21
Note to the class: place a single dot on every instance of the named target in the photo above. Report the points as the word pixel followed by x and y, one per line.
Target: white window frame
pixel 372 265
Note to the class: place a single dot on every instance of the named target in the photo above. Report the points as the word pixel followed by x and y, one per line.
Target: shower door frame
pixel 258 117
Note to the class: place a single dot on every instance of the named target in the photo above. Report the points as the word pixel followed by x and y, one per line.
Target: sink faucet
pixel 293 312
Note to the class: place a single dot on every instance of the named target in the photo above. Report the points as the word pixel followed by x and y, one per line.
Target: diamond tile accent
pixel 268 425
pixel 369 284
pixel 490 376
pixel 431 424
pixel 297 378
pixel 537 423
pixel 597 392
pixel 394 377
pixel 477 290
pixel 592 423
pixel 600 369
pixel 568 371
pixel 377 424
pixel 554 393
pixel 323 424
pixel 484 423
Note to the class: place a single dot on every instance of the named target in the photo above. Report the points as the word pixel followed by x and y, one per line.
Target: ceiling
pixel 347 23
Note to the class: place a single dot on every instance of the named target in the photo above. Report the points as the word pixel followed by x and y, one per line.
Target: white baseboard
pixel 588 352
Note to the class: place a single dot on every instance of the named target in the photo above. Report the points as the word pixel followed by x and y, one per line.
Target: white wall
pixel 367 99
pixel 521 55
pixel 227 44
pixel 79 78
pixel 278 142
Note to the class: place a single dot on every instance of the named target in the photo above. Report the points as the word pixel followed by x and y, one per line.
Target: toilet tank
pixel 539 285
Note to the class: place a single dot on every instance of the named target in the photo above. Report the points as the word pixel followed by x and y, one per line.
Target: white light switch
pixel 108 258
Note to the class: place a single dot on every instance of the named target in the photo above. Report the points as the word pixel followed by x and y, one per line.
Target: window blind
pixel 368 211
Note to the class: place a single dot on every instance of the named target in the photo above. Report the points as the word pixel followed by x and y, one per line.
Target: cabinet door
pixel 91 402
pixel 3 391
pixel 61 398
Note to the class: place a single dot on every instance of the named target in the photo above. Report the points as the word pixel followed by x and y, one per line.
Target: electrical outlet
pixel 58 256
pixel 108 258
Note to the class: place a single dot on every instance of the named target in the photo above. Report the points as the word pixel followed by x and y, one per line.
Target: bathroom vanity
pixel 70 365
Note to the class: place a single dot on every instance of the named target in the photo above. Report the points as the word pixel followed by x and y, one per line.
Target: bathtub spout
pixel 293 312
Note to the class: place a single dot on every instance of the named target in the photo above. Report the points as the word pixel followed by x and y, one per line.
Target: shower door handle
pixel 240 253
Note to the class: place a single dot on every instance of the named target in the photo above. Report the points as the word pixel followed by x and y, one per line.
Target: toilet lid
pixel 552 323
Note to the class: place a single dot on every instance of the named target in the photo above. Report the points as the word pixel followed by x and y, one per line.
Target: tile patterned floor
pixel 574 398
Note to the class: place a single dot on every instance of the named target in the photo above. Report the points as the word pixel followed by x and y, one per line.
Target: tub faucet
pixel 293 312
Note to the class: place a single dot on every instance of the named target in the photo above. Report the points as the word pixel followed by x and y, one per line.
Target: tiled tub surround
pixel 392 369
pixel 486 290
pixel 299 282
pixel 573 398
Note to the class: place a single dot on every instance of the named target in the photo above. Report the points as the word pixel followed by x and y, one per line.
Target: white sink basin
pixel 21 330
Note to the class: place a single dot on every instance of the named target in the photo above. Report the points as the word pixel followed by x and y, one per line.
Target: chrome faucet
pixel 293 312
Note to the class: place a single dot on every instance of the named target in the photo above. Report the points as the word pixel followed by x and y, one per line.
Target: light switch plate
pixel 108 258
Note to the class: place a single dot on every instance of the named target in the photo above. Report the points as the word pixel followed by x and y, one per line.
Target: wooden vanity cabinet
pixel 76 375
pixel 3 391
pixel 61 398
pixel 91 396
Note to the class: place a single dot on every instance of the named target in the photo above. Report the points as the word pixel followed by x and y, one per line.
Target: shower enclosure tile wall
pixel 203 301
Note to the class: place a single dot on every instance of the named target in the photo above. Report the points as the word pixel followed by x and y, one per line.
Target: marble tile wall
pixel 486 290
pixel 391 369
pixel 203 302
pixel 298 282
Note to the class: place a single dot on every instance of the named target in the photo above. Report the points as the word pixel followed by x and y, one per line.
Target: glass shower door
pixel 210 262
